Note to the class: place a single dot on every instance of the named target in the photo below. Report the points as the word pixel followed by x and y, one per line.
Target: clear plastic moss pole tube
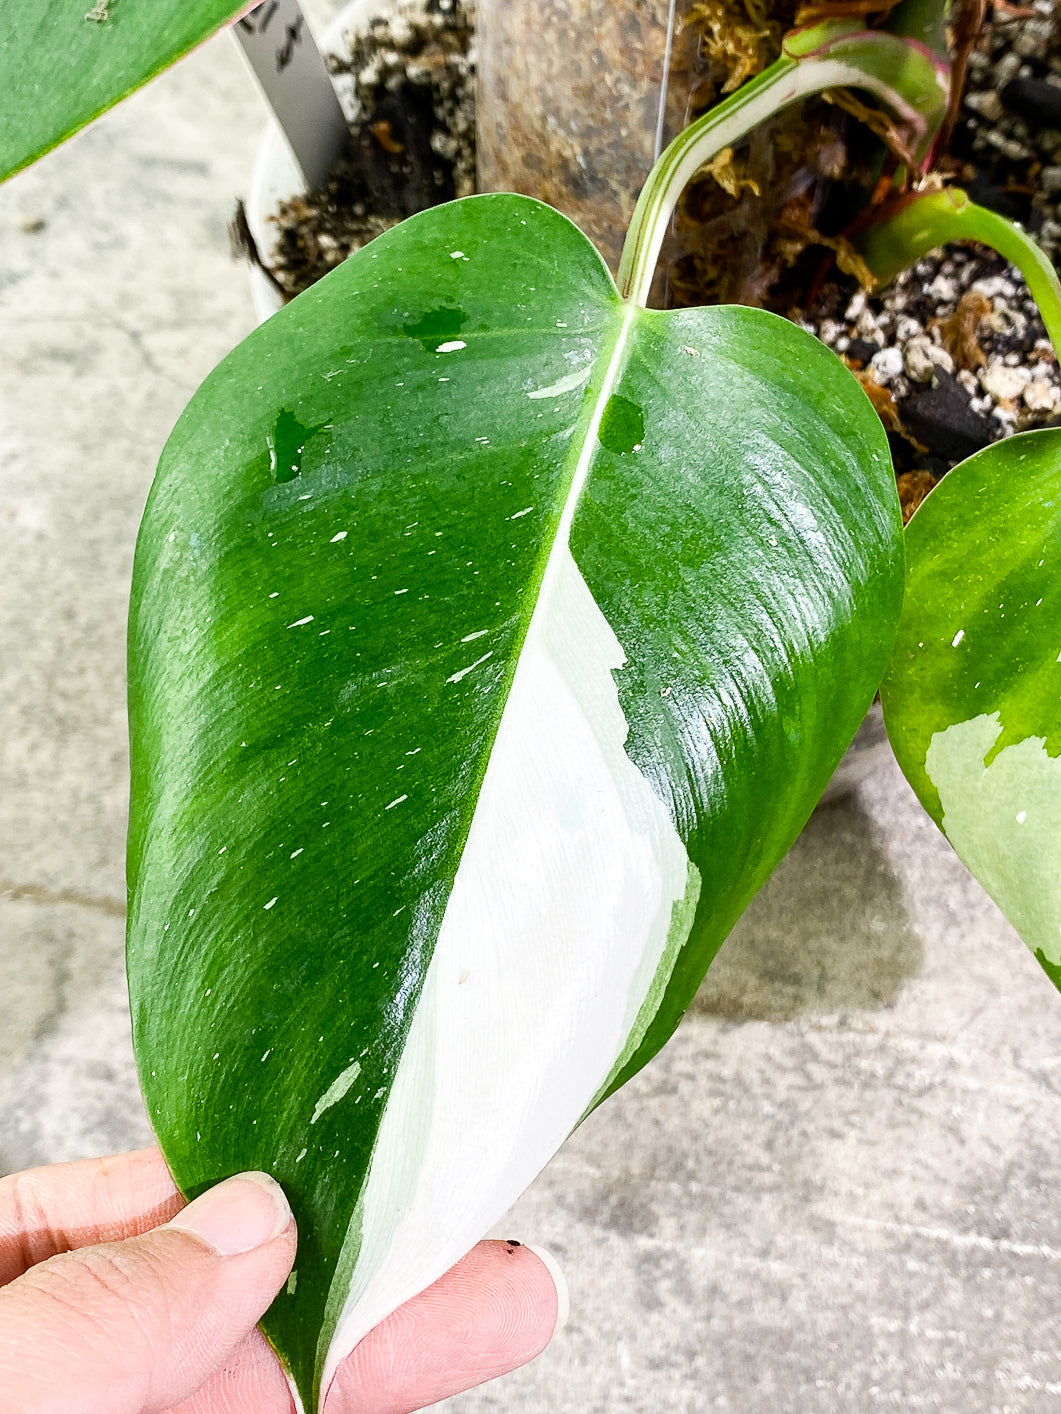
pixel 577 99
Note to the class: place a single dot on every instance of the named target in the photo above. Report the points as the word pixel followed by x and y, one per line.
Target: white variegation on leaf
pixel 1002 814
pixel 573 896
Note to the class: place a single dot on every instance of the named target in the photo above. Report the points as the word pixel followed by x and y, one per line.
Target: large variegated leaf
pixel 491 640
pixel 63 62
pixel 972 700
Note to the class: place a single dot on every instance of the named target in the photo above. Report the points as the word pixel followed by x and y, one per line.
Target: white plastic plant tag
pixel 288 66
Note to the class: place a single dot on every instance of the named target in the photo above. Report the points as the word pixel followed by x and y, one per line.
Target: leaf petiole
pixel 926 220
pixel 902 73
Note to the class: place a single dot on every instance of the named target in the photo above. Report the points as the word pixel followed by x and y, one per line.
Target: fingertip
pixel 497 1309
pixel 238 1215
pixel 563 1295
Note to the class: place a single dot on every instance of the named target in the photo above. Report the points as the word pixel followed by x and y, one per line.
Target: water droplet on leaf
pixel 622 427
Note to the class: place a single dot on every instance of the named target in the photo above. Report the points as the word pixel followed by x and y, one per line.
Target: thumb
pixel 136 1326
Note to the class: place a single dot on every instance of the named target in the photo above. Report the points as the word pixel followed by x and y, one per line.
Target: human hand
pixel 115 1298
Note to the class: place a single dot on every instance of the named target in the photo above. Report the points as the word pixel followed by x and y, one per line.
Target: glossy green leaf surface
pixel 972 700
pixel 63 62
pixel 491 640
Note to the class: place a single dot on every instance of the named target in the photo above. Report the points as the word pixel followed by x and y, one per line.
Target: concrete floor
pixel 836 1190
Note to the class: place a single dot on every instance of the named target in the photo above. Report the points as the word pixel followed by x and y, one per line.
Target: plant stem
pixel 900 72
pixel 923 222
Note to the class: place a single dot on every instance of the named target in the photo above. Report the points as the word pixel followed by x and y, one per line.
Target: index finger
pixel 44 1211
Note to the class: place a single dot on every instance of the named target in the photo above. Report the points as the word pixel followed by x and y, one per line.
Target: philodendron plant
pixel 492 638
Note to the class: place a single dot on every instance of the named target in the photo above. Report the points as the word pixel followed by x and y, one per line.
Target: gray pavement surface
pixel 837 1188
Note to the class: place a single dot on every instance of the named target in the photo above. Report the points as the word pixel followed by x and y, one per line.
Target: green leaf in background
pixel 63 62
pixel 491 640
pixel 972 700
